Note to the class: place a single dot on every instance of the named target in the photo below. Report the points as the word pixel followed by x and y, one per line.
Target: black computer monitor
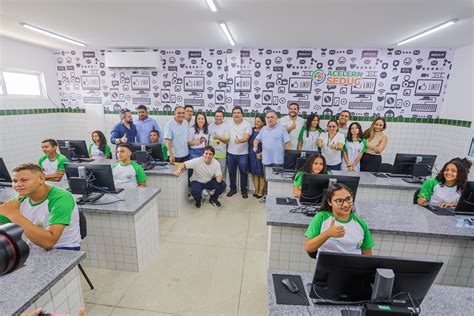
pixel 77 149
pixel 291 156
pixel 4 175
pixel 154 151
pixel 466 201
pixel 416 165
pixel 348 277
pixel 100 178
pixel 314 186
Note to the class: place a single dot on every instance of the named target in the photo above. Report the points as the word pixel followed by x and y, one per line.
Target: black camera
pixel 13 249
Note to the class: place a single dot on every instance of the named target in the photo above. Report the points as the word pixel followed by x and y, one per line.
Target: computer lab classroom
pixel 237 157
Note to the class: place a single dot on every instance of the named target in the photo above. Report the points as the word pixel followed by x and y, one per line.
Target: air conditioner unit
pixel 130 59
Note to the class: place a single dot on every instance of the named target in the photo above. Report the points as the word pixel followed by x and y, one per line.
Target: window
pixel 471 150
pixel 21 83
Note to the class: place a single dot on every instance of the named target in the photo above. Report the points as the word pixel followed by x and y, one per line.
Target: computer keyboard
pixel 448 211
pixel 91 198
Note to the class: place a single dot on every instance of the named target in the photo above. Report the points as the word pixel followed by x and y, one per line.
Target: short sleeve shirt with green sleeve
pixel 164 150
pixel 309 141
pixel 298 181
pixel 357 235
pixel 222 131
pixel 95 152
pixel 52 166
pixel 59 207
pixel 436 192
pixel 128 176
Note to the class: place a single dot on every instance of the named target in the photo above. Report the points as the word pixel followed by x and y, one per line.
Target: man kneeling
pixel 48 215
pixel 207 175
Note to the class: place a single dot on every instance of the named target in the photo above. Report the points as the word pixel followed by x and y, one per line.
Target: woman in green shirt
pixel 316 164
pixel 99 148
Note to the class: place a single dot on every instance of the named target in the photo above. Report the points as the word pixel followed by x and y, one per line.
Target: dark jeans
pixel 335 167
pixel 198 187
pixel 181 159
pixel 241 161
pixel 370 163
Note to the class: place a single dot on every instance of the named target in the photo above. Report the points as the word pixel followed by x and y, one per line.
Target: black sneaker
pixel 230 193
pixel 198 204
pixel 215 203
pixel 245 195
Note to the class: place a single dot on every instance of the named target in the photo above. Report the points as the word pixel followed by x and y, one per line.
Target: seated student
pixel 52 162
pixel 445 189
pixel 127 173
pixel 207 175
pixel 48 215
pixel 354 148
pixel 316 164
pixel 99 148
pixel 335 228
pixel 155 139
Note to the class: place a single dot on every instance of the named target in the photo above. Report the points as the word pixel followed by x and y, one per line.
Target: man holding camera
pixel 48 214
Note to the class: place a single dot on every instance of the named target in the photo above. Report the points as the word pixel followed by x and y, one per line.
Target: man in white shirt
pixel 343 122
pixel 219 138
pixel 238 151
pixel 206 176
pixel 293 124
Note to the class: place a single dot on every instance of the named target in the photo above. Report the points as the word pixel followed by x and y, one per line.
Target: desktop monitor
pixel 466 201
pixel 414 164
pixel 77 149
pixel 154 151
pixel 291 157
pixel 99 175
pixel 348 277
pixel 314 186
pixel 4 175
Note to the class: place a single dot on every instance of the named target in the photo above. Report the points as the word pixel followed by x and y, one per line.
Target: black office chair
pixel 415 197
pixel 385 167
pixel 83 230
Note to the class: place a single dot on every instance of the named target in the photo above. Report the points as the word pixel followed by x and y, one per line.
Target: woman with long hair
pixel 376 142
pixel 309 134
pixel 316 164
pixel 99 147
pixel 255 158
pixel 354 148
pixel 198 136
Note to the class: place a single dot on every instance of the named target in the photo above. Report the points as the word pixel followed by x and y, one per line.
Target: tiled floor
pixel 211 261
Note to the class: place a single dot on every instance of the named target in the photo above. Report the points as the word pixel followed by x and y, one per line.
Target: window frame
pixel 41 81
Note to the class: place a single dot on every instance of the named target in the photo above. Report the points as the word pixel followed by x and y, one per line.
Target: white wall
pixel 20 55
pixel 459 99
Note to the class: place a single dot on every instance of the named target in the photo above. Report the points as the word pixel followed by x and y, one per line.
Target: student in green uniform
pixel 52 162
pixel 445 189
pixel 316 164
pixel 99 147
pixel 48 215
pixel 335 228
pixel 354 148
pixel 155 139
pixel 127 173
pixel 309 134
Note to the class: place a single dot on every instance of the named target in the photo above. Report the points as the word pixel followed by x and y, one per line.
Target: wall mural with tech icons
pixel 367 82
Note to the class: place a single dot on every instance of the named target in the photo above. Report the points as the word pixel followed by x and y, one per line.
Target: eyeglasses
pixel 340 202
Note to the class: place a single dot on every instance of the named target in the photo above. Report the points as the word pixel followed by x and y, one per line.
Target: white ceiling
pixel 253 23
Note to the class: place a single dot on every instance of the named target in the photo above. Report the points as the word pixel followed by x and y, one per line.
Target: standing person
pixel 218 139
pixel 145 125
pixel 206 176
pixel 293 124
pixel 127 173
pixel 343 122
pixel 237 151
pixel 124 132
pixel 275 139
pixel 51 162
pixel 255 159
pixel 155 139
pixel 176 136
pixel 198 136
pixel 48 215
pixel 188 116
pixel 309 134
pixel 376 142
pixel 354 148
pixel 331 144
pixel 99 148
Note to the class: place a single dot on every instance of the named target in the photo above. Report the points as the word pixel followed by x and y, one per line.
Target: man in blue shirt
pixel 145 125
pixel 275 139
pixel 176 136
pixel 125 131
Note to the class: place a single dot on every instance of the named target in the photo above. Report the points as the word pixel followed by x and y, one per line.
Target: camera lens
pixel 13 249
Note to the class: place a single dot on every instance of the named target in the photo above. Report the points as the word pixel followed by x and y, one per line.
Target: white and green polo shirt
pixel 59 207
pixel 128 176
pixel 357 235
pixel 436 192
pixel 51 166
pixel 95 152
pixel 221 130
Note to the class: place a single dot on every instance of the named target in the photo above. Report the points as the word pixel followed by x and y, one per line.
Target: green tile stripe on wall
pixel 39 111
pixel 353 118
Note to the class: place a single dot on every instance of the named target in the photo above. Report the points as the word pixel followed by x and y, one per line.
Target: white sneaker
pixel 205 193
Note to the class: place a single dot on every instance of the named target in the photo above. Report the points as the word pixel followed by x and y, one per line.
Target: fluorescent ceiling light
pixel 429 31
pixel 211 5
pixel 227 33
pixel 51 34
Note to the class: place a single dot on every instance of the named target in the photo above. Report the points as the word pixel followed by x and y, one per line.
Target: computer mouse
pixel 290 285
